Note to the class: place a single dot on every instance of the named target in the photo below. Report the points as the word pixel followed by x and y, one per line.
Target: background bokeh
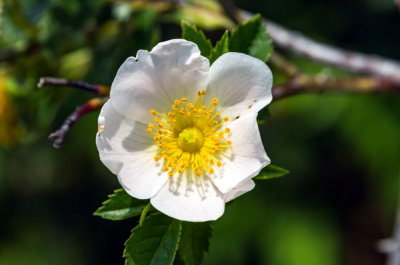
pixel 342 150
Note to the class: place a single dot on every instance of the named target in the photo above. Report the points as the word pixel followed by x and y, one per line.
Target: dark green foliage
pixel 121 206
pixel 153 243
pixel 272 171
pixel 191 33
pixel 252 38
pixel 220 48
pixel 195 242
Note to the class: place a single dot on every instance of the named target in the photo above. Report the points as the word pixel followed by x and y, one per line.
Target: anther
pixel 153 112
pixel 201 92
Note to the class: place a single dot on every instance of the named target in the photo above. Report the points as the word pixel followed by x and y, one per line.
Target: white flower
pixel 182 133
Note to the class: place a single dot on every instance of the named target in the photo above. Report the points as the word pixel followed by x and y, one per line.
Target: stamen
pixel 189 136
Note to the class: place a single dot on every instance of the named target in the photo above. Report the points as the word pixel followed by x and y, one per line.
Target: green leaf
pixel 261 46
pixel 220 48
pixel 195 241
pixel 271 171
pixel 252 38
pixel 153 243
pixel 120 206
pixel 191 33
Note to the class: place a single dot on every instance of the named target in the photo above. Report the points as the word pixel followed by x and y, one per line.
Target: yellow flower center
pixel 189 136
pixel 190 140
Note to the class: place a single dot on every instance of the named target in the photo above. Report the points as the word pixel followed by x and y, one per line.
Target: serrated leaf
pixel 220 48
pixel 261 47
pixel 252 38
pixel 153 243
pixel 272 171
pixel 191 33
pixel 121 206
pixel 195 242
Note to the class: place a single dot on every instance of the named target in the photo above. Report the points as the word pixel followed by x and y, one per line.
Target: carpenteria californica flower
pixel 184 134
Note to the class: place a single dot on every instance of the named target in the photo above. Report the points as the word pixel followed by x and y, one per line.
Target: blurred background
pixel 342 150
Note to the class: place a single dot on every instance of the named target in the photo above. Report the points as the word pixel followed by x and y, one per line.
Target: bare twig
pixel 58 136
pixel 285 65
pixel 1 18
pixel 94 88
pixel 303 83
pixel 353 61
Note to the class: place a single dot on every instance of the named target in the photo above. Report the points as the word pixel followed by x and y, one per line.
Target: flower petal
pixel 246 156
pixel 128 151
pixel 240 82
pixel 190 198
pixel 248 185
pixel 172 70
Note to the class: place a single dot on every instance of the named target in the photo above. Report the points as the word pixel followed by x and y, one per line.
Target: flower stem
pixel 144 213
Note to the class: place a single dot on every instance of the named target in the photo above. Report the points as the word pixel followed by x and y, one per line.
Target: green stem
pixel 144 213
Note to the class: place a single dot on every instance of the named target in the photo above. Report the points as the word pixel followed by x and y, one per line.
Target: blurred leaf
pixel 220 48
pixel 195 242
pixel 251 38
pixel 153 243
pixel 271 171
pixel 201 16
pixel 76 64
pixel 120 206
pixel 191 33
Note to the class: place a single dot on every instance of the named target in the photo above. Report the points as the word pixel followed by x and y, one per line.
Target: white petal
pixel 190 198
pixel 172 70
pixel 248 185
pixel 240 82
pixel 128 151
pixel 246 156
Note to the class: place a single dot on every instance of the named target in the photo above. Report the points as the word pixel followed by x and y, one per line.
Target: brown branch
pixel 94 88
pixel 354 61
pixel 318 84
pixel 283 64
pixel 58 136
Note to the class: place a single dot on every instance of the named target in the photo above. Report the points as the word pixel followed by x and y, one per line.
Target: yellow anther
pixel 192 140
pixel 226 119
